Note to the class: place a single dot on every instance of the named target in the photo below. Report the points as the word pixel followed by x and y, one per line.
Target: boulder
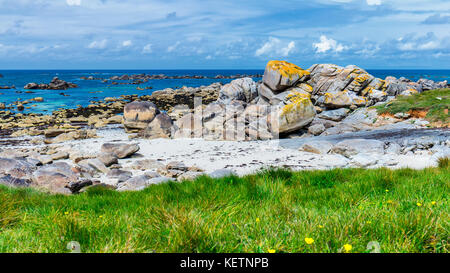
pixel 55 177
pixel 296 111
pixel 316 129
pixel 317 147
pixel 160 127
pixel 120 150
pixel 98 165
pixel 18 168
pixel 280 75
pixel 334 115
pixel 222 173
pixel 343 99
pixel 14 182
pixel 353 147
pixel 108 159
pixel 141 182
pixel 244 89
pixel 138 114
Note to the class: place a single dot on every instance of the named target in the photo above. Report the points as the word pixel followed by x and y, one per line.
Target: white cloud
pixel 98 44
pixel 275 47
pixel 373 2
pixel 73 2
pixel 173 47
pixel 209 57
pixel 328 44
pixel 127 43
pixel 147 49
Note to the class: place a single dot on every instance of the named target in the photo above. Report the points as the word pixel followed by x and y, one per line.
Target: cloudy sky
pixel 115 34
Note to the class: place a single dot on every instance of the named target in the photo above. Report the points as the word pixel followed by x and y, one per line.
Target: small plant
pixel 444 162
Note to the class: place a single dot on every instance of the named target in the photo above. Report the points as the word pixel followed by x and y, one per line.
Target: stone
pixel 146 164
pixel 280 75
pixel 18 168
pixel 317 147
pixel 316 129
pixel 364 160
pixel 76 187
pixel 60 155
pixel 141 182
pixel 14 182
pixel 176 165
pixel 343 99
pixel 189 176
pixel 295 112
pixel 108 159
pixel 221 173
pixel 334 115
pixel 75 135
pixel 353 147
pixel 243 89
pixel 393 148
pixel 138 114
pixel 120 150
pixel 98 165
pixel 55 177
pixel 160 127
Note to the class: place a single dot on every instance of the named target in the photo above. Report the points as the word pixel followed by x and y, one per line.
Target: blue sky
pixel 169 34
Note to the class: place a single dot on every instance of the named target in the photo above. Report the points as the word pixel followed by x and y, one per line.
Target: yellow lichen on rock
pixel 286 69
pixel 295 101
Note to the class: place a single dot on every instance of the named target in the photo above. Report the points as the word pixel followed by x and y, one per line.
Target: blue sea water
pixel 90 90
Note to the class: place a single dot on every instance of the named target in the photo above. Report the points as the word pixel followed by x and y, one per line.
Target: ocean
pixel 90 90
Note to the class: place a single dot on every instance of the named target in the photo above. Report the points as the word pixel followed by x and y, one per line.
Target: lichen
pixel 286 69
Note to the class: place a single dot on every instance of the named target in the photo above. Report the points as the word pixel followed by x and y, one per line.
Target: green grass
pixel 434 101
pixel 404 210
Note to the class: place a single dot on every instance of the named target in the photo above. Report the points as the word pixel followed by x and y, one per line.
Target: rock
pixel 98 165
pixel 55 177
pixel 280 75
pixel 75 135
pixel 393 148
pixel 108 159
pixel 189 176
pixel 334 115
pixel 221 173
pixel 295 112
pixel 402 115
pixel 343 99
pixel 120 150
pixel 141 182
pixel 146 164
pixel 160 127
pixel 317 147
pixel 316 129
pixel 177 165
pixel 18 168
pixel 364 160
pixel 353 147
pixel 76 187
pixel 244 89
pixel 138 114
pixel 14 182
pixel 120 175
pixel 60 155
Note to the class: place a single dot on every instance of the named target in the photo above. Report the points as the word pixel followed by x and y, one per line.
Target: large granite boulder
pixel 244 89
pixel 295 112
pixel 55 177
pixel 280 75
pixel 137 115
pixel 160 127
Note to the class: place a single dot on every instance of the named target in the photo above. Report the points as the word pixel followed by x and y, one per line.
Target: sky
pixel 232 34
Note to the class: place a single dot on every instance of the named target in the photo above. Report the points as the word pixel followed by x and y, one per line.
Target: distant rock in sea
pixel 55 84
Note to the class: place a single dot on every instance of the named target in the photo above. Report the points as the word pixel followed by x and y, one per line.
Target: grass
pixel 275 210
pixel 435 102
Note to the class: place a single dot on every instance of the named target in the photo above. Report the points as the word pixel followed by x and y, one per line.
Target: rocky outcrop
pixel 137 115
pixel 120 150
pixel 55 84
pixel 244 89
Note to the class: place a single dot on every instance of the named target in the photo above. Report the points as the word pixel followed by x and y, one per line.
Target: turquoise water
pixel 97 90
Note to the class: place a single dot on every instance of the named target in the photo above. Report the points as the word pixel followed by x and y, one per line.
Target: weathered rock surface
pixel 120 150
pixel 244 89
pixel 138 114
pixel 352 147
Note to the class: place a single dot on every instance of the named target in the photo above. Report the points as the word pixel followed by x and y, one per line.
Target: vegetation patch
pixel 276 210
pixel 433 105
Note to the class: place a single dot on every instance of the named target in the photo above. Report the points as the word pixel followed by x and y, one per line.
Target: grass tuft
pixel 444 162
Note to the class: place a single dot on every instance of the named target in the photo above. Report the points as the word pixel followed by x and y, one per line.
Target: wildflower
pixel 320 226
pixel 271 250
pixel 390 201
pixel 257 220
pixel 309 241
pixel 66 213
pixel 419 204
pixel 347 248
pixel 387 190
pixel 369 222
pixel 433 203
pixel 101 216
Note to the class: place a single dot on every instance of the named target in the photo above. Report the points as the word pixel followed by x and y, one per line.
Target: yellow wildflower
pixel 320 226
pixel 419 204
pixel 347 248
pixel 257 220
pixel 309 241
pixel 271 250
pixel 433 203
